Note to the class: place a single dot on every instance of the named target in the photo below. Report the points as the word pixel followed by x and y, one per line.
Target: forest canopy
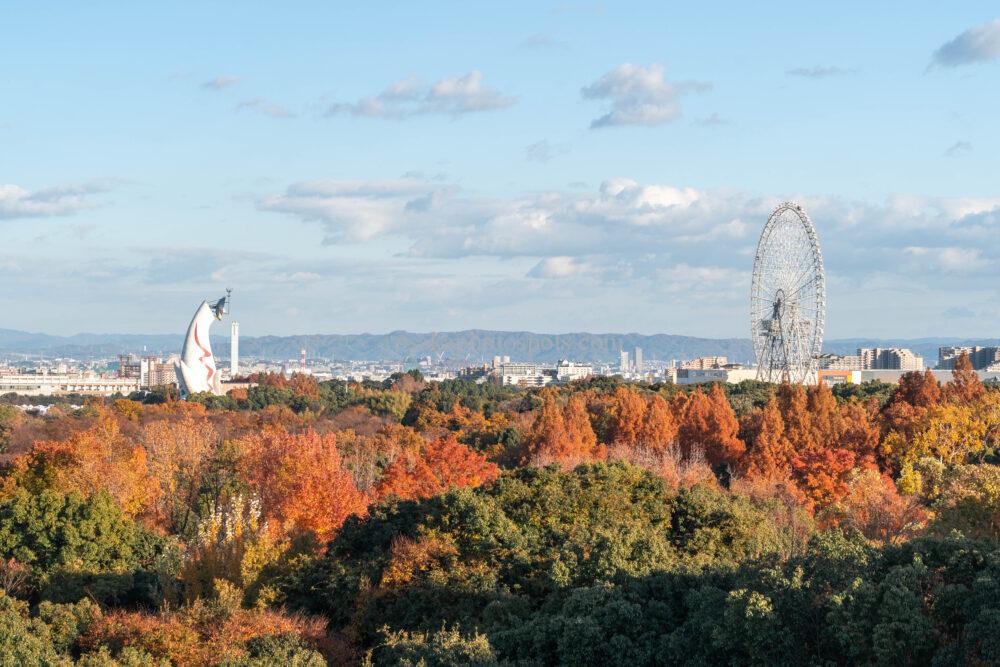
pixel 416 523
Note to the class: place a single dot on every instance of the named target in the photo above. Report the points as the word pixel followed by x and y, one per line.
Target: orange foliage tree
pixel 627 412
pixel 822 474
pixel 659 428
pixel 300 481
pixel 771 453
pixel 562 435
pixel 708 424
pixel 438 466
pixel 965 385
pixel 98 458
pixel 200 634
pixel 874 506
pixel 636 422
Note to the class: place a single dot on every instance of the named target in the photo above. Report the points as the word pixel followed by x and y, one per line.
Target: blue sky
pixel 539 166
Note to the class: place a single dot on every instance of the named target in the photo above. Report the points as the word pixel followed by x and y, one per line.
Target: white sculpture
pixel 196 372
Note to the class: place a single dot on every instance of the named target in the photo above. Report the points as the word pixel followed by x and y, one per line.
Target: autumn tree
pixel 99 458
pixel 177 453
pixel 965 385
pixel 860 433
pixel 579 431
pixel 823 474
pixel 231 544
pixel 951 433
pixel 916 394
pixel 438 466
pixel 366 456
pixel 561 434
pixel 300 481
pixel 874 506
pixel 659 428
pixel 771 453
pixel 708 424
pixel 627 412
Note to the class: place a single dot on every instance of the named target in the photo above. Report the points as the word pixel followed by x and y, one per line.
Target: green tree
pixel 77 546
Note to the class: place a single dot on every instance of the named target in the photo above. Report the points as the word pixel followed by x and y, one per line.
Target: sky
pixel 541 166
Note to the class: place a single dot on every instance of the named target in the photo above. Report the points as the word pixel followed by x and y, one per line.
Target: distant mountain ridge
pixel 472 345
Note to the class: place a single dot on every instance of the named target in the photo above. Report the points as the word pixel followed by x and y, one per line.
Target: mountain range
pixel 470 346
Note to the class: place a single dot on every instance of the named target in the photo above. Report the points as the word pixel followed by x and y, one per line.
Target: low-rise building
pixel 568 371
pixel 730 373
pixel 839 362
pixel 58 384
pixel 703 363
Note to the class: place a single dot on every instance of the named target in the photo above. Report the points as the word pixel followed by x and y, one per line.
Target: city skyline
pixel 560 167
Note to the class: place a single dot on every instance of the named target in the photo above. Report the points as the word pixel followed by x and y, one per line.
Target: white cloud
pixel 958 148
pixel 540 41
pixel 712 120
pixel 820 72
pixel 543 151
pixel 687 278
pixel 17 202
pixel 220 82
pixel 260 105
pixel 559 267
pixel 975 45
pixel 948 259
pixel 453 96
pixel 639 95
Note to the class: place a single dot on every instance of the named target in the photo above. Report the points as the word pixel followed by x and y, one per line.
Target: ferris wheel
pixel 788 298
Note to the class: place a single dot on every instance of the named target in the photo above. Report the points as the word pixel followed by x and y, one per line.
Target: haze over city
pixel 549 167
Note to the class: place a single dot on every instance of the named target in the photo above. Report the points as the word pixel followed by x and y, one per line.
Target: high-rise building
pixel 637 360
pixel 234 349
pixel 129 366
pixel 624 363
pixel 980 357
pixel 156 373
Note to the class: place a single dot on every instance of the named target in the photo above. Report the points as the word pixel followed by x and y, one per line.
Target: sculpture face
pixel 196 372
